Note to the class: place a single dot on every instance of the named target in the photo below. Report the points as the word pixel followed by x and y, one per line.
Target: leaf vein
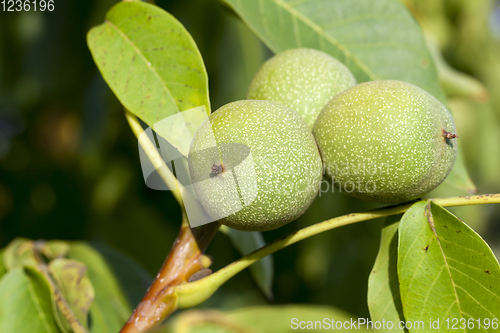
pixel 38 307
pixel 125 37
pixel 296 31
pixel 430 217
pixel 363 17
pixel 467 248
pixel 333 41
pixel 477 282
pixel 473 267
pixel 478 303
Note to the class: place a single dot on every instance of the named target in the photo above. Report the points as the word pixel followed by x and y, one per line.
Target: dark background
pixel 69 165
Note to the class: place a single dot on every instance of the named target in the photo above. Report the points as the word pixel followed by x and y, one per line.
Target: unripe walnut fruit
pixel 303 79
pixel 386 141
pixel 255 165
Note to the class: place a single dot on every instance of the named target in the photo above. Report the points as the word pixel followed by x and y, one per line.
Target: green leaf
pixel 263 270
pixel 153 66
pixel 25 303
pixel 376 40
pixel 446 270
pixel 134 279
pixel 384 301
pixel 76 288
pixel 18 253
pixel 459 177
pixel 3 270
pixel 55 249
pixel 110 309
pixel 454 83
pixel 265 319
pixel 279 318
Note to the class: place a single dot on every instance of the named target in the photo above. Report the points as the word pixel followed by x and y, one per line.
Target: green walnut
pixel 303 79
pixel 386 141
pixel 254 165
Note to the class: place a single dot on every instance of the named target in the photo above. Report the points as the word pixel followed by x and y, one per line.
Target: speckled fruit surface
pixel 255 165
pixel 383 141
pixel 303 79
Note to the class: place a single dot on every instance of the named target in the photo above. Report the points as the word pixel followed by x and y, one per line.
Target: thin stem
pixel 202 234
pixel 152 152
pixel 185 258
pixel 194 293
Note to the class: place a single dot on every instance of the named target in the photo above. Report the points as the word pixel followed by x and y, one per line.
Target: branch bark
pixel 185 258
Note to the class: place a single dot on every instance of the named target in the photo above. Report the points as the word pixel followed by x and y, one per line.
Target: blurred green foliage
pixel 69 164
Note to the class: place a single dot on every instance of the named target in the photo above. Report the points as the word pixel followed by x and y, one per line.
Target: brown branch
pixel 185 258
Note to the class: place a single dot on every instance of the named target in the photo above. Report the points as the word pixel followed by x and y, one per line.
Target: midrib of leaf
pixel 430 219
pixel 296 31
pixel 449 268
pixel 263 15
pixel 38 307
pixel 143 57
pixel 396 295
pixel 295 13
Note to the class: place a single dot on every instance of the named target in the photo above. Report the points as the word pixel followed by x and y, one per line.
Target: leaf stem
pixel 185 258
pixel 202 234
pixel 194 293
pixel 152 153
